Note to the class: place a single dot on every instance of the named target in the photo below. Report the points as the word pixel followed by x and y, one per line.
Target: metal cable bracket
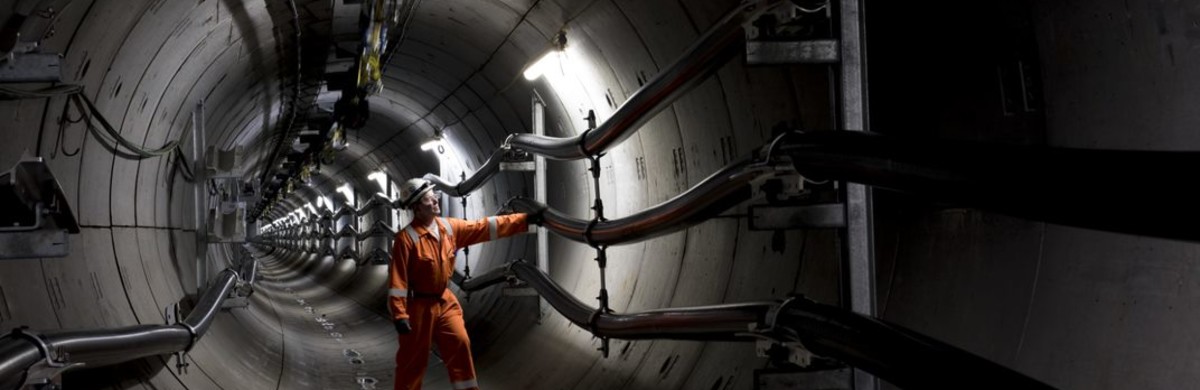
pixel 601 250
pixel 47 373
pixel 466 250
pixel 777 343
pixel 172 317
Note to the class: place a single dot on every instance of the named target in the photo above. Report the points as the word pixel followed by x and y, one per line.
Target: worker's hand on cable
pixel 536 217
pixel 402 327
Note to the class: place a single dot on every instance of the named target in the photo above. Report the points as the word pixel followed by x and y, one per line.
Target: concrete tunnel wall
pixel 1065 305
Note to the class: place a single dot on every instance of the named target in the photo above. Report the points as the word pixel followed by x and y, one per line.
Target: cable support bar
pixel 466 250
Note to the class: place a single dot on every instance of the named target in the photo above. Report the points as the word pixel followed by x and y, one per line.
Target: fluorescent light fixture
pixel 431 144
pixel 544 64
pixel 347 192
pixel 379 177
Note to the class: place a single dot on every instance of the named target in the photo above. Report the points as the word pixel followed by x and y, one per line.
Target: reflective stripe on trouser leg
pixel 412 355
pixel 491 228
pixel 398 292
pixel 454 345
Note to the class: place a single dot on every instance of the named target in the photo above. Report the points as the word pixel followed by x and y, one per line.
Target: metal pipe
pixel 1136 192
pixel 712 50
pixel 727 187
pixel 102 347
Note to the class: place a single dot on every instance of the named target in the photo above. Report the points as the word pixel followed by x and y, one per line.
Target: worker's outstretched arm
pixel 467 233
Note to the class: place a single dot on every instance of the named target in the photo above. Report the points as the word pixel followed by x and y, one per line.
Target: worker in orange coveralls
pixel 423 308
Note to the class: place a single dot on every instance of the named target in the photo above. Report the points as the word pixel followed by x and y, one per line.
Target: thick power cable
pixel 723 189
pixel 704 57
pixel 102 347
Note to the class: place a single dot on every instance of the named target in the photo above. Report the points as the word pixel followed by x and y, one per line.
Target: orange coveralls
pixel 421 267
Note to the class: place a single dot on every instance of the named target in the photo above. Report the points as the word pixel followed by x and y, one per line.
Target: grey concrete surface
pixel 1075 308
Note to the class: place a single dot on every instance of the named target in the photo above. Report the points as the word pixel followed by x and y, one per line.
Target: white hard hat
pixel 412 190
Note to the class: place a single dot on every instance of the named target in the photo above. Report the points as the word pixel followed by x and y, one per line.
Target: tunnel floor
pixel 329 341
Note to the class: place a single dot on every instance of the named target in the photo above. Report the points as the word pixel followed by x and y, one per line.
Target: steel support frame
pixel 859 283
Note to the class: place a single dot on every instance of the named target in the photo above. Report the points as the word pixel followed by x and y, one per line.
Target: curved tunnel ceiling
pixel 1072 307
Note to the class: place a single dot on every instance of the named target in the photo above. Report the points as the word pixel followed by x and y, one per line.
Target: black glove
pixel 536 217
pixel 402 327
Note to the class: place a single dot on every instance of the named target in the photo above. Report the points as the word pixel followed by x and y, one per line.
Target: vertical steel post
pixel 539 184
pixel 201 196
pixel 860 262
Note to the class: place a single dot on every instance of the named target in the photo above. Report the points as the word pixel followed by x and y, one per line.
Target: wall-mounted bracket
pixel 820 216
pixel 515 160
pixel 790 351
pixel 35 218
pixel 31 68
pixel 222 163
pixel 813 51
pixel 789 34
pixel 227 223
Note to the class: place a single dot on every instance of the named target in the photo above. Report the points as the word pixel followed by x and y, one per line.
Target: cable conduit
pixel 102 347
pixel 899 355
pixel 727 187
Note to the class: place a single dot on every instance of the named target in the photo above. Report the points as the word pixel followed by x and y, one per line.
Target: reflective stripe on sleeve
pixel 491 228
pixel 467 384
pixel 398 292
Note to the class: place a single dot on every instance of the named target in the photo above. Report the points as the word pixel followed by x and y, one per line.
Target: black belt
pixel 415 294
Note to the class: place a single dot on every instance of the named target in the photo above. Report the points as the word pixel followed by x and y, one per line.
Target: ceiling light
pixel 435 142
pixel 347 192
pixel 547 62
pixel 379 177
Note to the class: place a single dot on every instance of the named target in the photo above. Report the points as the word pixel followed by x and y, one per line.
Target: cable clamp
pixel 46 373
pixel 592 320
pixel 587 233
